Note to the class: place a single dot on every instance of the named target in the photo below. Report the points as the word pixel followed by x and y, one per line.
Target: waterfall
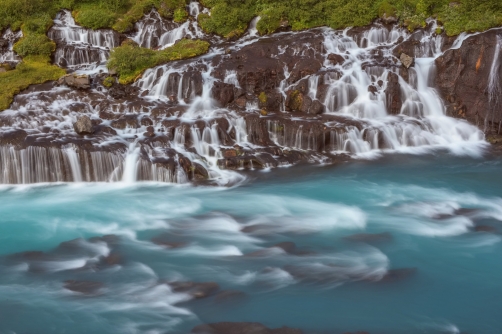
pixel 494 89
pixel 80 48
pixel 200 119
pixel 7 54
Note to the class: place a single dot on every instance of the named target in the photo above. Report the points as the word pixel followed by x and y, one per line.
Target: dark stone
pixel 223 93
pixel 463 81
pixel 316 108
pixel 196 290
pixel 84 287
pixel 336 59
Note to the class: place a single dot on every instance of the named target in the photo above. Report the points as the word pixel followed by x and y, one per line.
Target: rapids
pixel 405 244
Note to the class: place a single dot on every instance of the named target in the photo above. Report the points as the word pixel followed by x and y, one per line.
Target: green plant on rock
pixel 130 60
pixel 109 81
pixel 35 44
pixel 33 70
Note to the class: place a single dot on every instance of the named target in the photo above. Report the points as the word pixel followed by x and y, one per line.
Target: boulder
pixel 316 108
pixel 223 93
pixel 406 60
pixel 336 59
pixel 76 81
pixel 83 125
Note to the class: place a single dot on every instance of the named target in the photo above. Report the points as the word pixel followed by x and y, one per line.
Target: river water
pixel 402 244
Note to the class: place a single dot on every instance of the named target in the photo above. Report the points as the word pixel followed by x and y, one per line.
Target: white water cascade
pixel 201 119
pixel 494 89
pixel 79 47
pixel 7 40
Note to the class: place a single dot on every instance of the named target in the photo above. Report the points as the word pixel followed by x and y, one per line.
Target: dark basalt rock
pixel 463 81
pixel 223 93
pixel 241 328
pixel 336 59
pixel 393 94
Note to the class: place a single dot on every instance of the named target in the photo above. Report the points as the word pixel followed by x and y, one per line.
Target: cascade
pixel 78 47
pixel 203 118
pixel 7 40
pixel 494 89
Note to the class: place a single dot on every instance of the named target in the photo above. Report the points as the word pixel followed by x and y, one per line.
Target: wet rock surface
pixel 469 80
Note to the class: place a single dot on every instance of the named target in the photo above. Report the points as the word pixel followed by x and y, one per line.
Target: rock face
pixel 470 79
pixel 393 94
pixel 76 81
pixel 83 126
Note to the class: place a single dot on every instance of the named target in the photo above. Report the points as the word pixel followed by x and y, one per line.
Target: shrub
pixel 130 61
pixel 95 18
pixel 35 44
pixel 33 70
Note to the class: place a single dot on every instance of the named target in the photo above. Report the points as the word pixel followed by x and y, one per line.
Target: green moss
pixel 33 70
pixel 180 15
pixel 109 81
pixel 130 60
pixel 263 98
pixel 95 18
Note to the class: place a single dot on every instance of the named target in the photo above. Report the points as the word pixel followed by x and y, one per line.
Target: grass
pixel 33 70
pixel 230 18
pixel 130 60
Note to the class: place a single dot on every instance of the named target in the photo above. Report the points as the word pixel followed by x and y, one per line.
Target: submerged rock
pixel 83 287
pixel 242 328
pixel 369 238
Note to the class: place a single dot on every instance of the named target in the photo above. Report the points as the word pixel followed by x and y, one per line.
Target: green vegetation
pixel 108 82
pixel 230 18
pixel 130 60
pixel 33 70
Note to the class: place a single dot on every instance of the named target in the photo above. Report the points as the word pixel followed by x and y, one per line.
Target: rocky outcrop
pixel 470 80
pixel 76 81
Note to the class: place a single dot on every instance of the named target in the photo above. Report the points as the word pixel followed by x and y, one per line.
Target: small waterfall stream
pixel 195 117
pixel 79 47
pixel 7 40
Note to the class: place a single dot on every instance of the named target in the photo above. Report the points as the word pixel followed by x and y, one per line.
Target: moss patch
pixel 33 70
pixel 130 60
